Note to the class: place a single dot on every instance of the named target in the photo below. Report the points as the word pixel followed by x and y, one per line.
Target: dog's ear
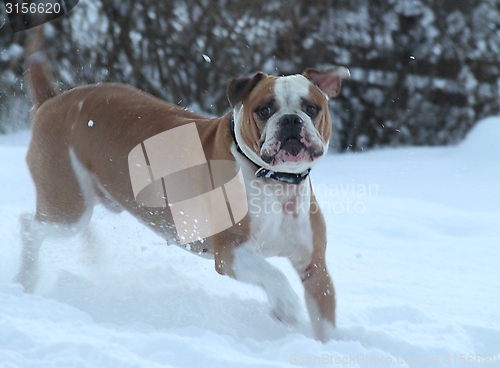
pixel 329 81
pixel 239 88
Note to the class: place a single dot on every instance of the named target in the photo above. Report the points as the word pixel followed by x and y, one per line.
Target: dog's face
pixel 283 123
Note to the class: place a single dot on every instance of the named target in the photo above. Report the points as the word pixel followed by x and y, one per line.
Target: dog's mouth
pixel 293 150
pixel 293 147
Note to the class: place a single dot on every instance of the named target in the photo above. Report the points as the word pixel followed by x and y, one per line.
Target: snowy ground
pixel 414 237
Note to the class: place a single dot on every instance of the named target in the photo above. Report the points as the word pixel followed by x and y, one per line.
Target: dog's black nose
pixel 291 126
pixel 291 119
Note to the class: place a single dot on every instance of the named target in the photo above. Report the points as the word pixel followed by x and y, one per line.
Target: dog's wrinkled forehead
pixel 291 90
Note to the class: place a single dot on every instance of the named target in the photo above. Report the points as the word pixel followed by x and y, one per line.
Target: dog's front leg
pixel 320 299
pixel 248 266
pixel 318 286
pixel 244 264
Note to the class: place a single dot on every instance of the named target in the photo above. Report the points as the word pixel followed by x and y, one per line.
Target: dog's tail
pixel 39 76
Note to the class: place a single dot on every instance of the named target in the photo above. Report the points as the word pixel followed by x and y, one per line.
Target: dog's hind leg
pixel 31 239
pixel 34 230
pixel 64 205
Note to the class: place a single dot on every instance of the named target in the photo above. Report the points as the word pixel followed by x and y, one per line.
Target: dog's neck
pixel 262 172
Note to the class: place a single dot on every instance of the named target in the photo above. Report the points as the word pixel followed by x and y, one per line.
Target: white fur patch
pixel 289 91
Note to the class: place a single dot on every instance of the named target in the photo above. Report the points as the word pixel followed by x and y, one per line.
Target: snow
pixel 207 58
pixel 415 263
pixel 14 51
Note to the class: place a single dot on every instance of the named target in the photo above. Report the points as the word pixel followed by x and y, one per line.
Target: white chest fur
pixel 279 213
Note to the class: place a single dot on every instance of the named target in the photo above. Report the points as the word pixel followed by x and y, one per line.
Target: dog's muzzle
pixel 292 142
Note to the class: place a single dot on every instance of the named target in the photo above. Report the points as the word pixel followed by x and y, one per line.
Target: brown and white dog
pixel 277 131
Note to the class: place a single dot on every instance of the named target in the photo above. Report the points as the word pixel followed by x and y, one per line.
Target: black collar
pixel 288 178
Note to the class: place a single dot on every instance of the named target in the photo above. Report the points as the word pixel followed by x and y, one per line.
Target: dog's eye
pixel 311 110
pixel 265 112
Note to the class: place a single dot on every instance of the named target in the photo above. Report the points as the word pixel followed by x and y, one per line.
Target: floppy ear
pixel 329 81
pixel 239 88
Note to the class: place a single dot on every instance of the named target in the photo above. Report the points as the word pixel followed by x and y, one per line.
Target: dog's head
pixel 283 123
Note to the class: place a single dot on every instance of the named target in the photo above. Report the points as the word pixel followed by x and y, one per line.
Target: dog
pixel 277 130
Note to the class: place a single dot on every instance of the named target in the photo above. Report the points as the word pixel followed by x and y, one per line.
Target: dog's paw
pixel 325 331
pixel 285 305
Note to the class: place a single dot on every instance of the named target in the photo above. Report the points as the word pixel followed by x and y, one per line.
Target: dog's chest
pixel 280 223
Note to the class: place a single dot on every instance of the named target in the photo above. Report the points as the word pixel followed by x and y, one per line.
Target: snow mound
pixel 485 136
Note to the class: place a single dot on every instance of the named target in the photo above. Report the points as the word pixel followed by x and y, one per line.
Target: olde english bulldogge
pixel 279 127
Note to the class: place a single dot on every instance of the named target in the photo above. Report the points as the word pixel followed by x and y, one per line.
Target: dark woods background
pixel 423 71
